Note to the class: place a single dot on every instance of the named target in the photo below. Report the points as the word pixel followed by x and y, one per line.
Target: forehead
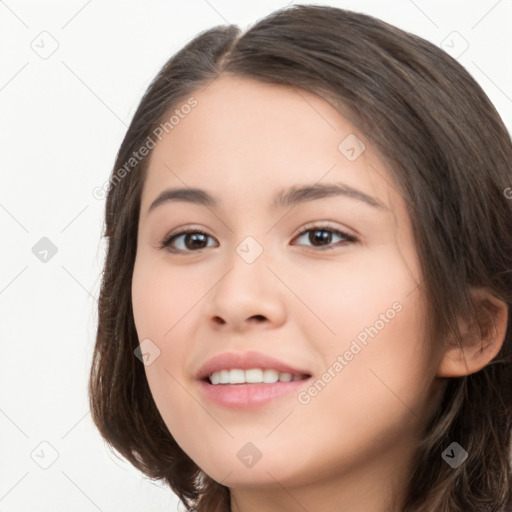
pixel 246 107
pixel 248 139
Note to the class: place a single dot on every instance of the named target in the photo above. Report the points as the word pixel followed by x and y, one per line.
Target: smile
pixel 252 376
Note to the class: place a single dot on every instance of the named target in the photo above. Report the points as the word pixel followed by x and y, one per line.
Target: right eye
pixel 191 241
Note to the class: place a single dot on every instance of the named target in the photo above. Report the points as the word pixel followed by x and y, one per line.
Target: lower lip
pixel 248 396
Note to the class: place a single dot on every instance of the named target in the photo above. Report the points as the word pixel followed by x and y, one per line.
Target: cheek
pixel 374 401
pixel 160 299
pixel 377 373
pixel 375 362
pixel 163 309
pixel 355 299
pixel 160 307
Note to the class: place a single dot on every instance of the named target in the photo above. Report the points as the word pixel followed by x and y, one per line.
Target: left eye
pixel 323 236
pixel 194 239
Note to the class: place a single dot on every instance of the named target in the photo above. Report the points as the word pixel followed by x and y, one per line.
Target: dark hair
pixel 450 156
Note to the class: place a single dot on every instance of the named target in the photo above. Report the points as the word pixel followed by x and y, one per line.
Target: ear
pixel 481 340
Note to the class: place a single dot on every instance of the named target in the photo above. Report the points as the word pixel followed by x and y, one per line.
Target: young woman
pixel 308 281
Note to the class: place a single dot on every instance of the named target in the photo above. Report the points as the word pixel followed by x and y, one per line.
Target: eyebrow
pixel 283 199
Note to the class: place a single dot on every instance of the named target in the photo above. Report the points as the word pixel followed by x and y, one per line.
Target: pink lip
pixel 245 361
pixel 247 396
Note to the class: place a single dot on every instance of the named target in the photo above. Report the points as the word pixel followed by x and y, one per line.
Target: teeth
pixel 270 376
pixel 236 377
pixel 252 376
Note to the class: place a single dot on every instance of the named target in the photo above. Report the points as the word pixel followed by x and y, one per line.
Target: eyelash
pixel 166 242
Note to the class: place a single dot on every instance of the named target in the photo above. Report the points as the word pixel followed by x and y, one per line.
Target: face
pixel 322 287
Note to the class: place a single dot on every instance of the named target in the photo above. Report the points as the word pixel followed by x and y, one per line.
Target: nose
pixel 248 295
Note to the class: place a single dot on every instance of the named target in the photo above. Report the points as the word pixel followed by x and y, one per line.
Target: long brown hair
pixel 450 156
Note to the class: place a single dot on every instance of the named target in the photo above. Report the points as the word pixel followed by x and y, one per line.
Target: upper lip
pixel 245 361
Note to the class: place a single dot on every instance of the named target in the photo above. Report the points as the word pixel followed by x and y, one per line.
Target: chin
pixel 234 469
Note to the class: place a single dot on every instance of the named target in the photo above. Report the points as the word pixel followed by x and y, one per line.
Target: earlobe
pixel 481 340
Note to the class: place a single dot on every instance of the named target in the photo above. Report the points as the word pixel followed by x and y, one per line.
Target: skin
pixel 352 446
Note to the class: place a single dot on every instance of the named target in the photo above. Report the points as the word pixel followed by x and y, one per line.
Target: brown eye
pixel 322 236
pixel 187 241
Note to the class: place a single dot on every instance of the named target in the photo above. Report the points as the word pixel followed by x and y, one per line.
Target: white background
pixel 62 120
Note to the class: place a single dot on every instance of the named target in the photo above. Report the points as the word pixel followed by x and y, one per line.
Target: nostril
pixel 258 317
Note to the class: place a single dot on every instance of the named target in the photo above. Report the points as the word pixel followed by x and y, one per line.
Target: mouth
pixel 249 380
pixel 239 376
pixel 244 380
